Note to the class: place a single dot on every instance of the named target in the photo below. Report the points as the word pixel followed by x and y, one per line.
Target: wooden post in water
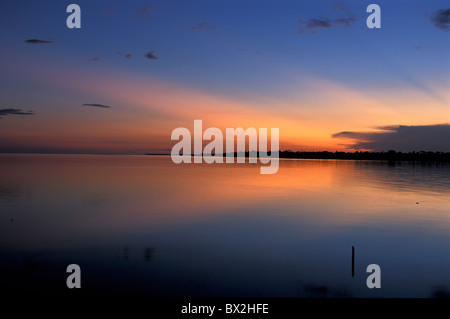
pixel 353 261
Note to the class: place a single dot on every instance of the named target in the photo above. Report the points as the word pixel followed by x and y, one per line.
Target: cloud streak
pixel 37 41
pixel 401 138
pixel 441 19
pixel 97 105
pixel 15 112
pixel 126 56
pixel 151 55
pixel 313 25
pixel 97 58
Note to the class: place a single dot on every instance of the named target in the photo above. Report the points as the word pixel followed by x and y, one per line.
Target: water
pixel 141 225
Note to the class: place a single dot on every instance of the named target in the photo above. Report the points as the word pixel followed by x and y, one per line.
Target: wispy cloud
pixel 151 55
pixel 401 138
pixel 37 41
pixel 97 58
pixel 441 19
pixel 204 26
pixel 97 105
pixel 314 25
pixel 345 21
pixel 14 112
pixel 127 56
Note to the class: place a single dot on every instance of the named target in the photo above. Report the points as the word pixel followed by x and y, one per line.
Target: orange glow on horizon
pixel 144 111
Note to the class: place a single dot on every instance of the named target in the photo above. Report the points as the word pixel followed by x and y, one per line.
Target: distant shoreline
pixel 387 156
pixel 383 156
pixel 421 156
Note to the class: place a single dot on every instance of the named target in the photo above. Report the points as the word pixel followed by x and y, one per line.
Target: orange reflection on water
pixel 68 196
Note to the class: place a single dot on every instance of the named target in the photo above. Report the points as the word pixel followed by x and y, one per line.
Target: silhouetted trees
pixel 390 155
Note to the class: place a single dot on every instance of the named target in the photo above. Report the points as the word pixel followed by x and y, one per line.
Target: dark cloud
pixel 204 26
pixel 127 56
pixel 97 58
pixel 15 112
pixel 36 41
pixel 315 24
pixel 402 138
pixel 97 105
pixel 441 19
pixel 151 55
pixel 345 19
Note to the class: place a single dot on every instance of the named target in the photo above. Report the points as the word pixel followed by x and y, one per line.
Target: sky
pixel 136 70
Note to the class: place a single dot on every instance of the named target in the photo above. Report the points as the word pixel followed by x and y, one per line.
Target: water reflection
pixel 11 191
pixel 148 254
pixel 432 177
pixel 440 292
pixel 224 230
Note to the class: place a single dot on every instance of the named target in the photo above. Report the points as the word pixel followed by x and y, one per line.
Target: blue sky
pixel 270 54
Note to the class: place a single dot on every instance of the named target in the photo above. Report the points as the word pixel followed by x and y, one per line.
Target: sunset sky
pixel 136 70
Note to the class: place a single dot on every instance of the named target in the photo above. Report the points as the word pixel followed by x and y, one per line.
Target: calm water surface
pixel 141 225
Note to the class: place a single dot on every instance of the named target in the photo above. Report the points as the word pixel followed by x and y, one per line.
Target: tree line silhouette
pixel 390 155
